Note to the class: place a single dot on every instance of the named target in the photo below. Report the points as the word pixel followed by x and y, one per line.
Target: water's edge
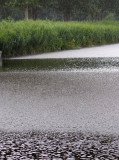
pixel 59 64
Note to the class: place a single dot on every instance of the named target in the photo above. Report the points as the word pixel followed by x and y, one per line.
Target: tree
pixel 66 10
pixel 67 7
pixel 92 9
pixel 25 5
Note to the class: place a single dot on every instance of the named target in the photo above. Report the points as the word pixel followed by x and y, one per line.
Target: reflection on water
pixel 56 100
pixel 60 64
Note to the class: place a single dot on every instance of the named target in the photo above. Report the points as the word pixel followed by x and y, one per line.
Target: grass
pixel 28 37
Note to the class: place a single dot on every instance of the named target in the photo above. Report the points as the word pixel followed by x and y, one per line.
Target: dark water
pixel 60 95
pixel 60 64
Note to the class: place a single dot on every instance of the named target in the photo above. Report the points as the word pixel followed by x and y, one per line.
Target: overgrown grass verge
pixel 28 37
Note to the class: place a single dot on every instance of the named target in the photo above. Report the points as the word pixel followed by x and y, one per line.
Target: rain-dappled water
pixel 68 104
pixel 60 100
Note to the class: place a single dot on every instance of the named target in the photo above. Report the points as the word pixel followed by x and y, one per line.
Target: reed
pixel 29 37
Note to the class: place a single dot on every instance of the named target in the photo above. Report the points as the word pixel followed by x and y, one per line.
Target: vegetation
pixel 66 10
pixel 26 37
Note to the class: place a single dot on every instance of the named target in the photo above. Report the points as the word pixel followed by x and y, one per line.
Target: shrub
pixel 28 37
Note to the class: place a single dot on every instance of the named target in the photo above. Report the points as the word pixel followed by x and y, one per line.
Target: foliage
pixel 110 17
pixel 67 10
pixel 28 37
pixel 22 3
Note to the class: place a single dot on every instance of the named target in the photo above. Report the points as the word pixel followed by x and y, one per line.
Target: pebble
pixel 58 146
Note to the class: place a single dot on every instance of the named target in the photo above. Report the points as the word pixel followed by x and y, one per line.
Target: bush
pixel 28 37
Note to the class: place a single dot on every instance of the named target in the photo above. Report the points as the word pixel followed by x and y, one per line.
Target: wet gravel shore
pixel 58 146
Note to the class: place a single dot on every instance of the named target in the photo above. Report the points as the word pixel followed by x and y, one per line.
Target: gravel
pixel 58 146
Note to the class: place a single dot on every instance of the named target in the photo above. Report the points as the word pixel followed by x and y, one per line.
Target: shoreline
pixel 104 51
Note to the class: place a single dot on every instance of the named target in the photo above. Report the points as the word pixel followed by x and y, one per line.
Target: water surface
pixel 79 95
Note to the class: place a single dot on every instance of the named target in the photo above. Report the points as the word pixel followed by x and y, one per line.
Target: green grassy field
pixel 29 37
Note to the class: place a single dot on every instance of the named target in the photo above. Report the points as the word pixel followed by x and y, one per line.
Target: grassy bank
pixel 26 37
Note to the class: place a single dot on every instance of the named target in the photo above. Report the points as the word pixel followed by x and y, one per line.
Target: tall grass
pixel 28 37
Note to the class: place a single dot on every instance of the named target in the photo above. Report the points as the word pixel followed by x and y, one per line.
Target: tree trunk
pixel 26 13
pixel 34 13
pixel 102 15
pixel 67 16
pixel 31 13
